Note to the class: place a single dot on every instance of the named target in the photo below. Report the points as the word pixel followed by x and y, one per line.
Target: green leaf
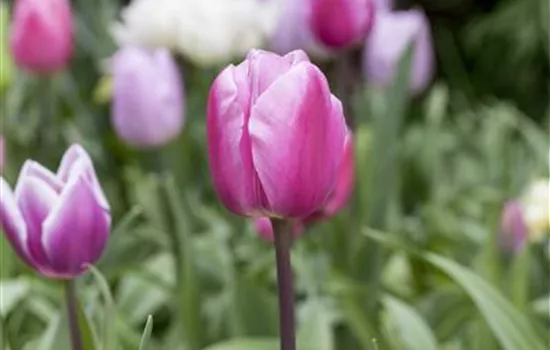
pixel 6 64
pixel 413 331
pixel 12 292
pixel 246 344
pixel 315 331
pixel 109 315
pixel 146 333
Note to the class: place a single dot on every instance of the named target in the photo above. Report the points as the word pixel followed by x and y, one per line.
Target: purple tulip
pixel 41 35
pixel 293 31
pixel 390 37
pixel 341 23
pixel 513 228
pixel 148 97
pixel 264 228
pixel 57 223
pixel 275 135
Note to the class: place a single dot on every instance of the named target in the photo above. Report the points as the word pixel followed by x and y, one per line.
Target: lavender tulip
pixel 148 106
pixel 57 223
pixel 275 135
pixel 390 37
pixel 341 23
pixel 41 35
pixel 513 228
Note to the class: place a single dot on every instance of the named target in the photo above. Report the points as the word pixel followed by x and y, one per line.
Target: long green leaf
pixel 109 331
pixel 246 344
pixel 146 333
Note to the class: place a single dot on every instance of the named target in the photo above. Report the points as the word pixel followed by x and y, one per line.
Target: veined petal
pixel 228 142
pixel 297 141
pixel 35 198
pixel 35 169
pixel 76 231
pixel 12 222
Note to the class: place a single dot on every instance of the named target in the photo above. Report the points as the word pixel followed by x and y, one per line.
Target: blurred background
pixel 448 102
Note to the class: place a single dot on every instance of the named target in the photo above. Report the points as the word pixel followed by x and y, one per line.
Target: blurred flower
pixel 148 97
pixel 388 41
pixel 536 208
pixel 293 31
pixel 57 223
pixel 208 32
pixel 341 23
pixel 41 35
pixel 384 5
pixel 264 228
pixel 513 229
pixel 275 135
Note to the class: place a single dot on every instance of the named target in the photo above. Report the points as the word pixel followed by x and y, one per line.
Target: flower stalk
pixel 72 313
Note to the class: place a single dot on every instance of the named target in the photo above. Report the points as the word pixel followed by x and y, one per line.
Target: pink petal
pixel 76 232
pixel 344 185
pixel 35 169
pixel 73 153
pixel 297 141
pixel 35 199
pixel 12 222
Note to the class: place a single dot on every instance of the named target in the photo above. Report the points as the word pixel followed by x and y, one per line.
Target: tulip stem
pixel 72 312
pixel 283 243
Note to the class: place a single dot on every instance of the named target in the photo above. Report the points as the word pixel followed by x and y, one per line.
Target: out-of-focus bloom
pixel 536 208
pixel 276 136
pixel 208 32
pixel 388 41
pixel 384 5
pixel 293 31
pixel 341 23
pixel 41 35
pixel 264 228
pixel 147 105
pixel 57 223
pixel 513 229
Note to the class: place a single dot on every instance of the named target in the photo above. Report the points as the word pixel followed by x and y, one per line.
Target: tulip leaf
pixel 6 64
pixel 109 334
pixel 146 333
pixel 246 344
pixel 409 326
pixel 315 330
pixel 511 328
pixel 12 292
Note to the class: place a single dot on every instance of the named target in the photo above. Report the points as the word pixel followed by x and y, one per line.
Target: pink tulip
pixel 41 35
pixel 148 97
pixel 57 223
pixel 275 135
pixel 341 23
pixel 393 33
pixel 513 228
pixel 264 228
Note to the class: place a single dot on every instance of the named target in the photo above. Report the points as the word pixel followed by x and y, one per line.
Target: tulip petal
pixel 12 222
pixel 35 169
pixel 75 162
pixel 297 141
pixel 35 199
pixel 77 230
pixel 228 142
pixel 265 68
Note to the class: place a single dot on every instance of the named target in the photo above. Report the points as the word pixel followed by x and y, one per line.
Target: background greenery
pixel 413 263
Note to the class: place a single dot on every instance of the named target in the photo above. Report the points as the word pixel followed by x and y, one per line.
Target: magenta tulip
pixel 275 135
pixel 341 23
pixel 513 228
pixel 148 97
pixel 41 35
pixel 57 223
pixel 264 228
pixel 393 33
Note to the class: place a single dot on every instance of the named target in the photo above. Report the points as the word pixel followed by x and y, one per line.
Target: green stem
pixel 283 242
pixel 72 312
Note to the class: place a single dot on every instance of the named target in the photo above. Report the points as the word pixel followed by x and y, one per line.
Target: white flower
pixel 207 32
pixel 536 208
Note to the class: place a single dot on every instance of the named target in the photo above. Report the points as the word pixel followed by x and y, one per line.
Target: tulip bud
pixel 513 229
pixel 275 136
pixel 148 96
pixel 388 41
pixel 264 228
pixel 57 223
pixel 41 35
pixel 293 31
pixel 341 23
